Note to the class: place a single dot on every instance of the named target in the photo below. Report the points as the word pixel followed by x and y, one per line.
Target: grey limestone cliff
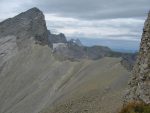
pixel 29 24
pixel 140 83
pixel 21 32
pixel 57 38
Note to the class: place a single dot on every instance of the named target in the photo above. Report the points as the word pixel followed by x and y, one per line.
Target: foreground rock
pixel 140 83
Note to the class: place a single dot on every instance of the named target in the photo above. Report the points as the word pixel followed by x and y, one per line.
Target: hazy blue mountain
pixel 116 45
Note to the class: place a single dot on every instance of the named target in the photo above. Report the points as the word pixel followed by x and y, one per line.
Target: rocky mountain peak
pixel 56 38
pixel 140 83
pixel 31 13
pixel 27 25
pixel 76 41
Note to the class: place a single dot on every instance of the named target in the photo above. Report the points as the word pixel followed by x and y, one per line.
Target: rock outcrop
pixel 57 38
pixel 76 41
pixel 140 83
pixel 75 52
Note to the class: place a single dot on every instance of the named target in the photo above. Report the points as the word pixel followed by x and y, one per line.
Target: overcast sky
pixel 108 19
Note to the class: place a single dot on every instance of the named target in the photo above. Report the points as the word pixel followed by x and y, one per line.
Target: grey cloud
pixel 86 9
pixel 87 12
pixel 94 9
pixel 129 30
pixel 133 36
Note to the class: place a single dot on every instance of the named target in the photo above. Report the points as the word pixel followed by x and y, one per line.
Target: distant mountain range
pixel 116 45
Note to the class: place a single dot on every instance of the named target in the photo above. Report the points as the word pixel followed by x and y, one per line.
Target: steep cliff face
pixel 57 38
pixel 20 32
pixel 140 83
pixel 27 25
pixel 76 41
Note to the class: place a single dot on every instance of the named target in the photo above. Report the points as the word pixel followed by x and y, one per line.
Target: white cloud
pixel 10 8
pixel 55 17
pixel 121 28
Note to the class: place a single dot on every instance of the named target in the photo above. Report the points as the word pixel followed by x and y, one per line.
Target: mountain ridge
pixel 32 72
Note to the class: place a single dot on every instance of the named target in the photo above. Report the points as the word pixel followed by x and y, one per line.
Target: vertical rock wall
pixel 140 83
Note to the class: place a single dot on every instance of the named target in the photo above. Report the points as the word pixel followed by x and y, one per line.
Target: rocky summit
pixel 140 83
pixel 57 38
pixel 27 25
pixel 20 32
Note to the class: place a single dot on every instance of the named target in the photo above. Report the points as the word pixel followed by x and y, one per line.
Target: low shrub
pixel 135 107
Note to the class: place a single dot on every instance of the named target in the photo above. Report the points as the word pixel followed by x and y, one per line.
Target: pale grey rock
pixel 8 49
pixel 25 26
pixel 57 38
pixel 21 32
pixel 140 82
